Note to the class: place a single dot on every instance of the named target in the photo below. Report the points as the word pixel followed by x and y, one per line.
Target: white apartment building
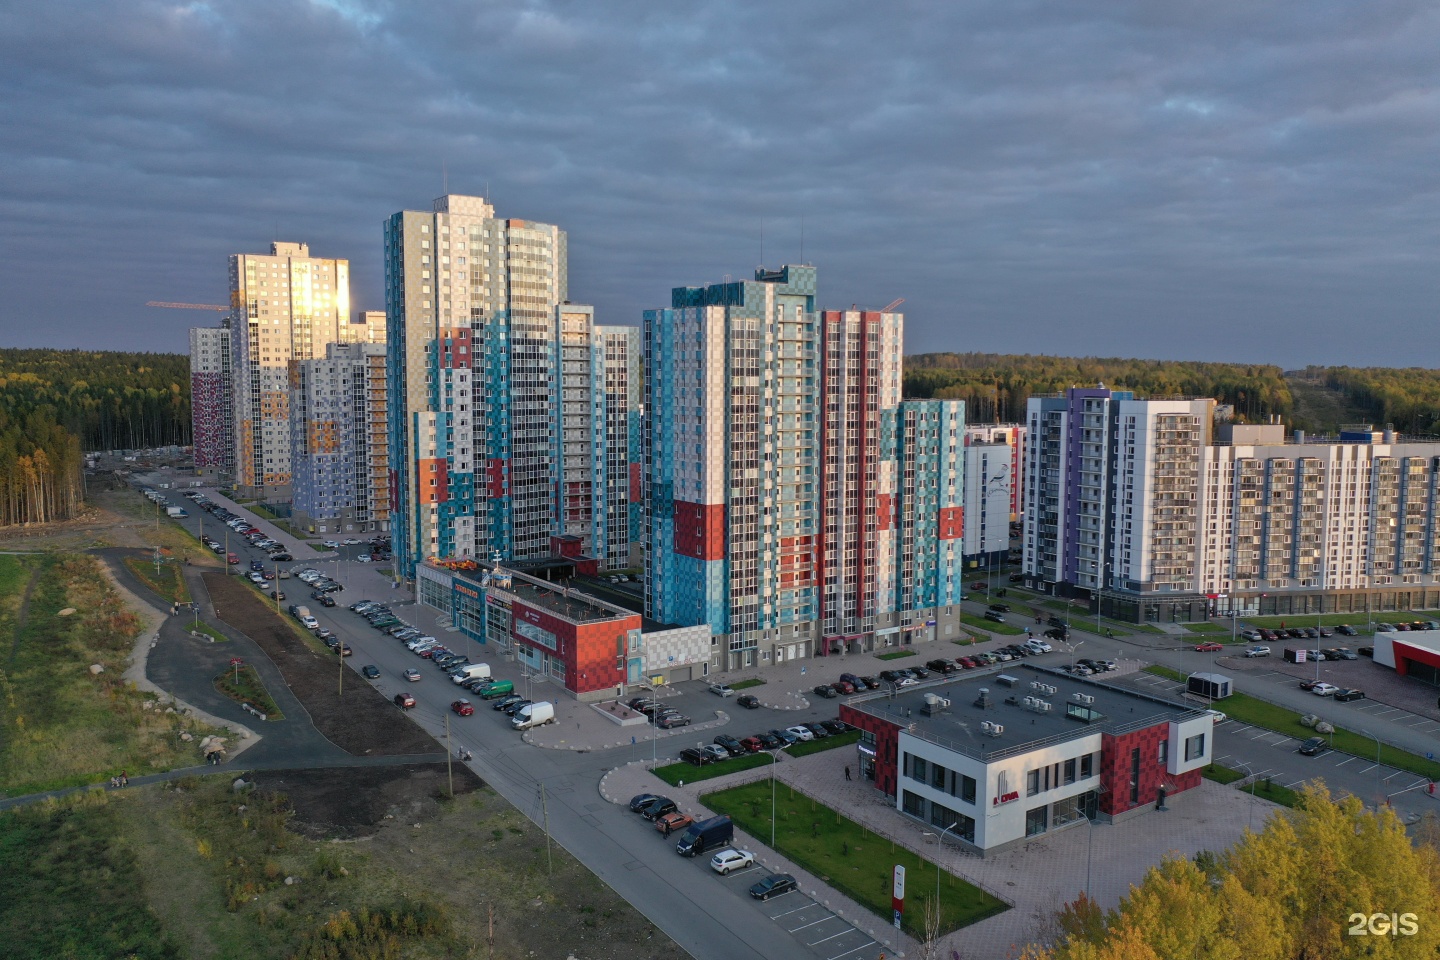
pixel 289 306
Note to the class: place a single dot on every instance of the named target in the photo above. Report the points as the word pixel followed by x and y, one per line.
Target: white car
pixel 1259 650
pixel 1250 635
pixel 1324 689
pixel 800 733
pixel 727 860
pixel 363 558
pixel 1217 716
pixel 332 544
pixel 1039 645
pixel 351 541
pixel 721 690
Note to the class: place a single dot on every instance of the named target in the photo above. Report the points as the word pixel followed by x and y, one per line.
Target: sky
pixel 1222 180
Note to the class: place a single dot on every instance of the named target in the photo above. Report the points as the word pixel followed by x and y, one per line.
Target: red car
pixel 462 708
pixel 752 744
pixel 1211 647
pixel 672 822
pixel 843 686
pixel 979 585
pixel 404 701
pixel 967 663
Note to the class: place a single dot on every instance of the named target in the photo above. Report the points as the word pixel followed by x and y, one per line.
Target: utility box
pixel 1295 655
pixel 1213 686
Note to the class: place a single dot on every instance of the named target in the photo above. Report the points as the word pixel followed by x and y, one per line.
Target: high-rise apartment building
pixel 780 507
pixel 596 456
pixel 339 441
pixel 288 307
pixel 474 320
pixel 1133 504
pixel 212 407
pixel 989 493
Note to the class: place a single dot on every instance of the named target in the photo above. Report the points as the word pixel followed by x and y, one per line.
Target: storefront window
pixel 1037 820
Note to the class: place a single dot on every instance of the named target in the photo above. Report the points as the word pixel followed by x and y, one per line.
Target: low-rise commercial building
pixel 996 760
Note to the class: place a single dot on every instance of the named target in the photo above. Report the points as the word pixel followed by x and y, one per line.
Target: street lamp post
pixel 774 759
pixel 937 866
pixel 1251 774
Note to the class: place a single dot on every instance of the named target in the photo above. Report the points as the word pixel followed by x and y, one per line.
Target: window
pixel 1135 775
pixel 1164 751
pixel 919 769
pixel 1087 766
pixel 1032 783
pixel 967 789
pixel 1195 747
pixel 937 776
pixel 1070 770
pixel 1037 820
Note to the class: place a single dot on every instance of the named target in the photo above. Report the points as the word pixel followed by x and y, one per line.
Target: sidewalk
pixel 297 548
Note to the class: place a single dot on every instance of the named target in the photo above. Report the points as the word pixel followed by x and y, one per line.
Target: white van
pixel 471 671
pixel 535 715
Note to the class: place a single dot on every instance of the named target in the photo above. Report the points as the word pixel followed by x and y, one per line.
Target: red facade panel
pixel 952 523
pixel 495 473
pixel 635 488
pixel 887 747
pixel 797 562
pixel 700 530
pixel 593 653
pixel 433 476
pixel 884 511
pixel 454 347
pixel 1117 765
pixel 1406 653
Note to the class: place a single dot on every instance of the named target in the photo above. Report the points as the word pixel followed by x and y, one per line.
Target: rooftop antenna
pixel 762 243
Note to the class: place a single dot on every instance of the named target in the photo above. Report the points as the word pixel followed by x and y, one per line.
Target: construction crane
pixel 188 306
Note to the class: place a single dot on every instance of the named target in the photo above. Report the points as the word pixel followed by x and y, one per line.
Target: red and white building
pixel 1000 759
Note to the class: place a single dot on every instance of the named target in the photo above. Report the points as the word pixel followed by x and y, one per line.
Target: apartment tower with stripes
pixel 212 407
pixel 776 506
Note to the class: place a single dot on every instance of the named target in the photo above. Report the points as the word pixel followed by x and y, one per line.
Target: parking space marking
pixel 1394 775
pixel 1369 768
pixel 848 928
pixel 868 943
pixel 815 923
pixel 1345 761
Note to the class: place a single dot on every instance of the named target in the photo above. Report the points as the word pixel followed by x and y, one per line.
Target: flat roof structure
pixel 1076 708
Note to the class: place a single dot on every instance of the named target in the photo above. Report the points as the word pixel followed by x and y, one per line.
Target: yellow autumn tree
pixel 1293 891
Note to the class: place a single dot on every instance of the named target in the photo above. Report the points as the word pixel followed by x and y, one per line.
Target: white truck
pixel 176 512
pixel 535 715
pixel 471 671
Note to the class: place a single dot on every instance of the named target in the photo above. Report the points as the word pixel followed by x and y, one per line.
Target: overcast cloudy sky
pixel 1218 180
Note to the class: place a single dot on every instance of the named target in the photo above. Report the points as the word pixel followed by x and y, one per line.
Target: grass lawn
pixel 60 725
pixel 676 773
pixel 168 583
pixel 850 858
pixel 1260 713
pixel 1207 627
pixel 1222 774
pixel 747 684
pixel 209 631
pixel 895 655
pixel 980 623
pixel 243 685
pixel 805 748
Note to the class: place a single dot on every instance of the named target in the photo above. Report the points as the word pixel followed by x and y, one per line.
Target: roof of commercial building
pixel 958 725
pixel 555 598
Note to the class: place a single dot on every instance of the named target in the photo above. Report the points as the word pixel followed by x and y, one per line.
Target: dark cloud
pixel 1222 180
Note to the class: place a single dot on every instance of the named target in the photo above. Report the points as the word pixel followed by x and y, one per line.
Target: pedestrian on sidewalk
pixel 847 771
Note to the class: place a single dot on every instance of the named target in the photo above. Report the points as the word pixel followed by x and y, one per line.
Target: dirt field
pixel 354 802
pixel 362 723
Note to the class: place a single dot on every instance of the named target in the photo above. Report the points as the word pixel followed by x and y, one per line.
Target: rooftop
pixel 566 602
pixel 958 725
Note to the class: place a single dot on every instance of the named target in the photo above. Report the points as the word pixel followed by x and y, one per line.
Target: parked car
pixel 769 740
pixel 462 708
pixel 1210 647
pixel 843 687
pixel 640 800
pixel 826 691
pixel 721 690
pixel 412 675
pixel 729 860
pixel 404 701
pixel 942 666
pixel 1000 607
pixel 657 808
pixel 730 745
pixel 835 726
pixel 773 886
pixel 817 730
pixel 715 752
pixel 696 756
pixel 671 721
pixel 1384 628
pixel 1323 689
pixel 1345 630
pixel 752 744
pixel 672 822
pixel 747 701
pixel 1350 694
pixel 1342 653
pixel 1259 650
pixel 1250 635
pixel 1312 746
pixel 994 617
pixel 370 672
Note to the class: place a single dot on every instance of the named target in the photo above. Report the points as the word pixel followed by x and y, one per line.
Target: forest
pixel 109 400
pixel 1408 398
pixel 54 404
pixel 995 386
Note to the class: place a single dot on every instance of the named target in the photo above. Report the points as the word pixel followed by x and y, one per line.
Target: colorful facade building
pixel 470 304
pixel 338 412
pixel 596 455
pixel 212 409
pixel 997 761
pixel 288 307
pixel 793 503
